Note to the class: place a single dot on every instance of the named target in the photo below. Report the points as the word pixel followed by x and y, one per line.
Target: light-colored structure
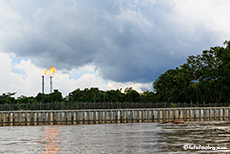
pixel 67 117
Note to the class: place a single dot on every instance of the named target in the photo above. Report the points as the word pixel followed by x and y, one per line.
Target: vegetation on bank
pixel 87 95
pixel 204 77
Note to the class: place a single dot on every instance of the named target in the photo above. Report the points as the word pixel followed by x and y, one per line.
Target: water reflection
pixel 51 139
pixel 116 138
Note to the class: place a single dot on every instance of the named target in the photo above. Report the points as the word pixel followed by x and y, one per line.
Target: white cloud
pixel 211 14
pixel 91 78
pixel 28 81
pixel 105 43
pixel 6 74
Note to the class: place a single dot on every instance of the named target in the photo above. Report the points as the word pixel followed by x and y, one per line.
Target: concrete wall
pixel 68 117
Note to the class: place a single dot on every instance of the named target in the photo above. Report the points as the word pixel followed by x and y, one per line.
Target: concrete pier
pixel 98 116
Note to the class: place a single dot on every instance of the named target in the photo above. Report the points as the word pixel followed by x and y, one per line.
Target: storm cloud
pixel 129 40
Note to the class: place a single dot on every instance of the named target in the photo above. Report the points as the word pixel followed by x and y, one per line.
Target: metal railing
pixel 103 105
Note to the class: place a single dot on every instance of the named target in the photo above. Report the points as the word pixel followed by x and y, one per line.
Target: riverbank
pixel 99 116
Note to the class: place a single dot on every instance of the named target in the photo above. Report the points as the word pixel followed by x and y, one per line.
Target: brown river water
pixel 195 137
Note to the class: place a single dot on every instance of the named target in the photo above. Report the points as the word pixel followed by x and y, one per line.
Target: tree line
pixel 203 78
pixel 91 95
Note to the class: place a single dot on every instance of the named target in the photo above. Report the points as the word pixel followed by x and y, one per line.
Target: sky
pixel 106 44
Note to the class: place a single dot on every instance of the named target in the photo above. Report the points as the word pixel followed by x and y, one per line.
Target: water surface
pixel 115 138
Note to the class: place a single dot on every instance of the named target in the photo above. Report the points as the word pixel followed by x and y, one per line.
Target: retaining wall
pixel 68 117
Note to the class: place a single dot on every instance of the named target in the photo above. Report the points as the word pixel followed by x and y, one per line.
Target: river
pixel 117 138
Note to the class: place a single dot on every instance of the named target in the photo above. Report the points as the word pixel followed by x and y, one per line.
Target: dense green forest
pixel 86 95
pixel 204 77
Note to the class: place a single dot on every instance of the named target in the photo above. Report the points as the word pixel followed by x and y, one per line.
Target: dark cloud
pixel 126 41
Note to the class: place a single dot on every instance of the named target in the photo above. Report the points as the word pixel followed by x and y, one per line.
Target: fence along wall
pixel 68 117
pixel 102 105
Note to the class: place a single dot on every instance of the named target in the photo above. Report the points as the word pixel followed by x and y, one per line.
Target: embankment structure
pixel 99 116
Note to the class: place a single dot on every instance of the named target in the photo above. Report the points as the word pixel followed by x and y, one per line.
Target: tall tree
pixel 204 77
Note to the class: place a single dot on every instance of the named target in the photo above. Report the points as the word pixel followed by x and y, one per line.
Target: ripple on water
pixel 115 138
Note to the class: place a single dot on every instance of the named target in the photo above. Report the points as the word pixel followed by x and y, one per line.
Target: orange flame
pixel 52 70
pixel 44 71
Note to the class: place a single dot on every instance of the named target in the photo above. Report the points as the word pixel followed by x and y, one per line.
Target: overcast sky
pixel 106 44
